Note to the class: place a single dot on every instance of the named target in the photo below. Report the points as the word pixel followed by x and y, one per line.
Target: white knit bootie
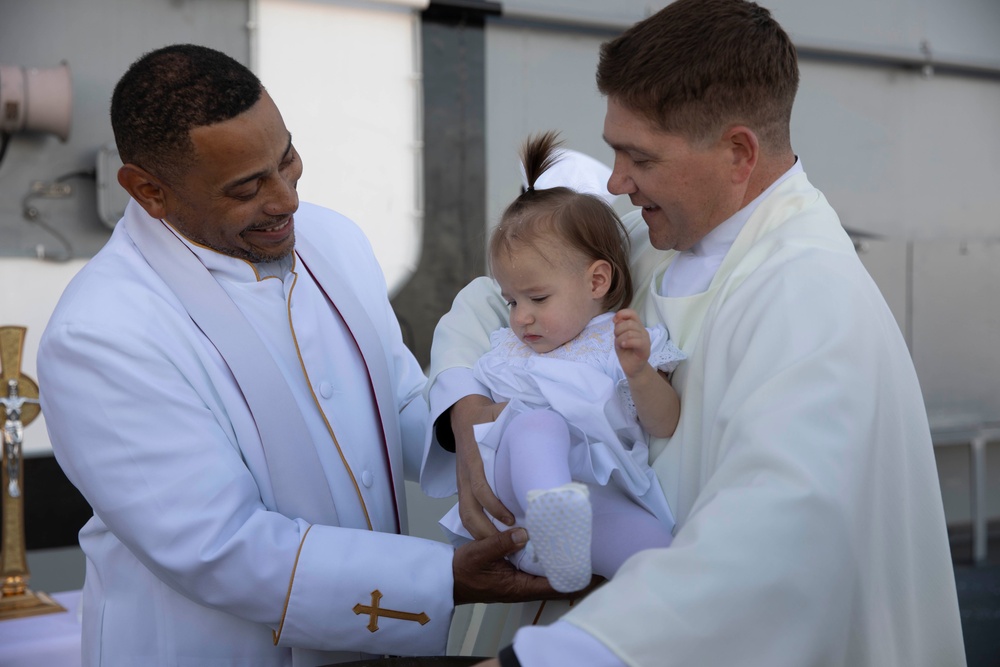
pixel 559 523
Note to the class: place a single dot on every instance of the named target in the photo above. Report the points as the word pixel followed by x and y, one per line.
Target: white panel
pixel 900 154
pixel 29 290
pixel 955 29
pixel 887 265
pixel 537 80
pixel 344 77
pixel 965 27
pixel 412 4
pixel 597 12
pixel 956 320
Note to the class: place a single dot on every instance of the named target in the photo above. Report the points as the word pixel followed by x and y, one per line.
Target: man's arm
pixel 461 337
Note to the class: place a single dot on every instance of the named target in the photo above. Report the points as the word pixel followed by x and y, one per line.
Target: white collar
pixel 692 270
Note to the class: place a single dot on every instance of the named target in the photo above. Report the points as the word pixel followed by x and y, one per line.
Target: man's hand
pixel 474 492
pixel 482 574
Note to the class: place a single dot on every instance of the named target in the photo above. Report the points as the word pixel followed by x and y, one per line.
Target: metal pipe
pixel 921 58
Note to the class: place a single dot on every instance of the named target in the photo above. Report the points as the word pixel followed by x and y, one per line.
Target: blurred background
pixel 408 115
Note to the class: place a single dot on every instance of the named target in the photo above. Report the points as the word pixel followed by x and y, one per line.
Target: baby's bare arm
pixel 656 402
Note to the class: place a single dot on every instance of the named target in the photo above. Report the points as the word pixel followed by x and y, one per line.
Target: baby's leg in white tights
pixel 621 529
pixel 533 480
pixel 533 454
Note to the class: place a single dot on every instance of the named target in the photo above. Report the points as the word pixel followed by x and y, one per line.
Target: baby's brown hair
pixel 584 222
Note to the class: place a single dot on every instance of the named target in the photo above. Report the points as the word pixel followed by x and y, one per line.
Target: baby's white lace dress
pixel 583 382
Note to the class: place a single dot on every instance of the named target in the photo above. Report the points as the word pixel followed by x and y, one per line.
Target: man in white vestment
pixel 226 384
pixel 810 528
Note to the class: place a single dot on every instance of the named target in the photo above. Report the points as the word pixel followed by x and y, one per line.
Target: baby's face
pixel 550 294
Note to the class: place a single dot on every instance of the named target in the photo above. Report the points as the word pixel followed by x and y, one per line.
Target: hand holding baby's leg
pixel 533 479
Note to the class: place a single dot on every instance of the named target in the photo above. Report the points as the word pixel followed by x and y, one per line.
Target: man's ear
pixel 744 150
pixel 147 190
pixel 600 278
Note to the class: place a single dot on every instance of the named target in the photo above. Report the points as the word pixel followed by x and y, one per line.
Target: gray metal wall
pixel 98 39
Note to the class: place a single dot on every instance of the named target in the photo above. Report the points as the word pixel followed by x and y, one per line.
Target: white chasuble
pixel 810 528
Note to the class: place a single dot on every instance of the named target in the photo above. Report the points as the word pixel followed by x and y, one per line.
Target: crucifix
pixel 20 407
pixel 13 436
pixel 374 611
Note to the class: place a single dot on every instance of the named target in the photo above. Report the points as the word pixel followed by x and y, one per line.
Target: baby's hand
pixel 631 342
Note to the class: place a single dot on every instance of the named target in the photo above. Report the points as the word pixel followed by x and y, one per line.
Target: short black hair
pixel 166 93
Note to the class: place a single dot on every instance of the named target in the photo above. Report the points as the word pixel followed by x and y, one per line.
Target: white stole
pixel 292 460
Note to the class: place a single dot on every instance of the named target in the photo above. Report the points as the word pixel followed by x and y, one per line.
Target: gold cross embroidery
pixel 374 611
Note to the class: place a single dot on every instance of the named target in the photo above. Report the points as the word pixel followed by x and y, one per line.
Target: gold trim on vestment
pixel 288 595
pixel 312 392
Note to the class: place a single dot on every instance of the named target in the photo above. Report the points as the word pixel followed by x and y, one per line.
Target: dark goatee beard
pixel 255 257
pixel 259 258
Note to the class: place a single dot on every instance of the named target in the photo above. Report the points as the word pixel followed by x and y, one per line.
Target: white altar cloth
pixel 49 640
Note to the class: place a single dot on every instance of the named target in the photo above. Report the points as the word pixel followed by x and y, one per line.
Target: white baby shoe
pixel 559 523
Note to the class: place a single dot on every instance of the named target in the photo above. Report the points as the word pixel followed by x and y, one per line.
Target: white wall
pixel 346 76
pixel 901 154
pixel 29 290
pixel 537 79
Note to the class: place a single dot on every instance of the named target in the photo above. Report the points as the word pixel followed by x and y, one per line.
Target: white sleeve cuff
pixel 450 386
pixel 561 643
pixel 437 473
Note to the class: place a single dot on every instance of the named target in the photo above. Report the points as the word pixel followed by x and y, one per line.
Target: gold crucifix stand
pixel 19 398
pixel 374 611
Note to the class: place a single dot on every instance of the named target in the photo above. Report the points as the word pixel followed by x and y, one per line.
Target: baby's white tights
pixel 533 456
